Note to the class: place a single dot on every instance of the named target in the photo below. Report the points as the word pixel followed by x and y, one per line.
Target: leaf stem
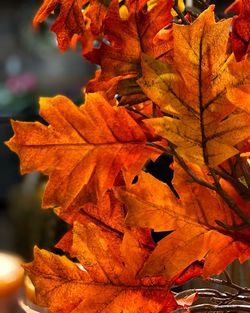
pixel 130 108
pixel 185 21
pixel 228 200
pixel 189 171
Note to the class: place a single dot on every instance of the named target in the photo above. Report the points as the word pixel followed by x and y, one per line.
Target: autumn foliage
pixel 169 83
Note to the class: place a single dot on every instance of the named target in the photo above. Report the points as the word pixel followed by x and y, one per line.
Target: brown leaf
pixel 69 22
pixel 201 91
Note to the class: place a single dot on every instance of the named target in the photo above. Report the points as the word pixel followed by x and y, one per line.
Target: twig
pixel 232 227
pixel 229 284
pixel 243 190
pixel 136 111
pixel 192 13
pixel 202 292
pixel 215 307
pixel 244 169
pixel 189 171
pixel 180 14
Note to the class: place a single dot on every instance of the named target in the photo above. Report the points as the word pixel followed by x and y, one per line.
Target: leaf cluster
pixel 170 82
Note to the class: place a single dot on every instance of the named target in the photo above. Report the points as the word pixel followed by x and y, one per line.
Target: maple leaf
pixel 74 24
pixel 195 234
pixel 69 22
pixel 126 39
pixel 199 91
pixel 110 286
pixel 83 148
pixel 112 256
pixel 241 31
pixel 110 283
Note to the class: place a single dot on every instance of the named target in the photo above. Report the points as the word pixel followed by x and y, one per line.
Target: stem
pixel 215 307
pixel 243 190
pixel 244 169
pixel 180 14
pixel 229 284
pixel 203 292
pixel 228 200
pixel 165 150
pixel 136 111
pixel 154 110
pixel 232 227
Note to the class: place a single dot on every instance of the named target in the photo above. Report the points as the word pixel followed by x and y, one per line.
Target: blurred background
pixel 32 66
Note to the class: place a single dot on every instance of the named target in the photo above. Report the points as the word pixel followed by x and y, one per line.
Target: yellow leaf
pixel 203 92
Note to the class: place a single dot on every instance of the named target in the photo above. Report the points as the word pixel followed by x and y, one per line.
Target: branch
pixel 189 171
pixel 229 284
pixel 244 169
pixel 232 227
pixel 154 114
pixel 215 307
pixel 166 151
pixel 180 14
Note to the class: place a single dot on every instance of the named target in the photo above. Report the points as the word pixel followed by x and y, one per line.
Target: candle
pixel 29 290
pixel 11 274
pixel 11 278
pixel 30 301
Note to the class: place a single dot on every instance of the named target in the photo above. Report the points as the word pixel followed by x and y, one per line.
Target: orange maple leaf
pixel 83 148
pixel 108 286
pixel 112 258
pixel 201 92
pixel 69 22
pixel 74 23
pixel 196 235
pixel 126 38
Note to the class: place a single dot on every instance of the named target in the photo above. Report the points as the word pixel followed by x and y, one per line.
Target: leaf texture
pixel 125 39
pixel 83 150
pixel 63 287
pixel 195 233
pixel 200 92
pixel 241 31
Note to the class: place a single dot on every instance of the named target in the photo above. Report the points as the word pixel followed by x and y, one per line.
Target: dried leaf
pixel 199 90
pixel 234 7
pixel 110 287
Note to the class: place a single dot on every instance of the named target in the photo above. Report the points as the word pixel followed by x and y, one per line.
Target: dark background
pixel 32 66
